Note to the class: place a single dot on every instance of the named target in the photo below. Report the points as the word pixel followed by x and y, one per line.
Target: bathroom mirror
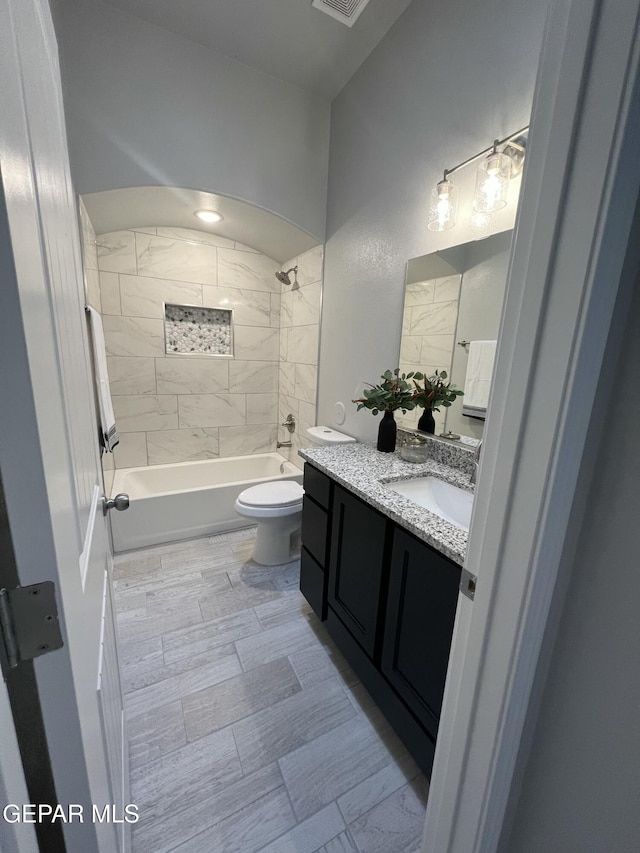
pixel 452 297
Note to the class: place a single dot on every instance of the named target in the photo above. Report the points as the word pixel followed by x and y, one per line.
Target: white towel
pixel 107 418
pixel 478 383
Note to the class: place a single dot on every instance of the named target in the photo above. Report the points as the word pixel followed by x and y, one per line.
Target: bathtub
pixel 189 499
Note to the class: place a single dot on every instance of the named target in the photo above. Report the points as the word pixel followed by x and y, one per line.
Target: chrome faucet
pixel 280 444
pixel 476 461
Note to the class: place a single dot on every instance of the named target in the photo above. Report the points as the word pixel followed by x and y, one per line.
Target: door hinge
pixel 29 625
pixel 468 584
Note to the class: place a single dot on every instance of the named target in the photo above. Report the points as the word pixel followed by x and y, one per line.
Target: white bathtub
pixel 188 499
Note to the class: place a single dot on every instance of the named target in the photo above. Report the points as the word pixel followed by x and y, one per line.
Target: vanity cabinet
pixel 421 609
pixel 389 601
pixel 316 527
pixel 356 567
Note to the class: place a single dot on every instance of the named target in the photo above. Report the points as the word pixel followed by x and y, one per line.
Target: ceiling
pixel 288 39
pixel 139 207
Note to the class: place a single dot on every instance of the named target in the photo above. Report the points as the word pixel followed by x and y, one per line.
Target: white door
pixel 49 456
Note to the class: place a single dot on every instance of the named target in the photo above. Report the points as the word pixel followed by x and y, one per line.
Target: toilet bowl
pixel 277 507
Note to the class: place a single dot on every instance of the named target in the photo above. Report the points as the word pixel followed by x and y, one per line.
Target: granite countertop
pixel 363 470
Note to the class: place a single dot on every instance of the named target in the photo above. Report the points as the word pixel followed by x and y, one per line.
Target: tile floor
pixel 248 731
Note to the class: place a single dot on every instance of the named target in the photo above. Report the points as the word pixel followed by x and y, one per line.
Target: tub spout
pixel 280 444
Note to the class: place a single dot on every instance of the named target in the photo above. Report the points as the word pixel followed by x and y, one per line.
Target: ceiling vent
pixel 345 11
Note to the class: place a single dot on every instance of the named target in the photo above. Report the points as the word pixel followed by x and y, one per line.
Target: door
pixel 358 539
pixel 49 457
pixel 421 609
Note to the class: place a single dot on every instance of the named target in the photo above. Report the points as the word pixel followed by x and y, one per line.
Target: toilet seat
pixel 269 500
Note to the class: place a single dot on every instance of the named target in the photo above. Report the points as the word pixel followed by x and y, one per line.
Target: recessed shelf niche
pixel 194 330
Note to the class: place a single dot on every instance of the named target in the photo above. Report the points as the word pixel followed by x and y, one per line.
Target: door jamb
pixel 564 279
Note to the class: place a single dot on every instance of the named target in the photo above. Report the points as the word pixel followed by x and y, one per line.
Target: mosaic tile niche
pixel 192 330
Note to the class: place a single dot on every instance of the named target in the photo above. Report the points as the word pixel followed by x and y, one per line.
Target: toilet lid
pixel 276 493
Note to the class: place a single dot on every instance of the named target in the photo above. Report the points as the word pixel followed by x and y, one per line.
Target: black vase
pixel 427 422
pixel 387 433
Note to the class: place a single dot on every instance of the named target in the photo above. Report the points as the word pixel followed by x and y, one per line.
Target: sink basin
pixel 441 498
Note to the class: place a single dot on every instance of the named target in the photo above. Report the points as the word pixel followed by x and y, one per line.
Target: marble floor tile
pixel 308 835
pixel 184 777
pixel 360 697
pixel 315 664
pixel 250 575
pixel 228 702
pixel 274 643
pixel 130 599
pixel 155 733
pixel 219 604
pixel 247 830
pixel 127 565
pixel 375 788
pixel 156 624
pixel 158 669
pixel 194 640
pixel 326 768
pixel 176 827
pixel 195 561
pixel 394 824
pixel 282 610
pixel 340 844
pixel 283 727
pixel 154 582
pixel 248 731
pixel 167 598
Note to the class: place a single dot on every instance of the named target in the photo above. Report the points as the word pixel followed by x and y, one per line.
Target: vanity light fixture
pixel 501 162
pixel 208 215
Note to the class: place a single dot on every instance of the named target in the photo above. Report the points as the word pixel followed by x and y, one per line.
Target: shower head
pixel 283 276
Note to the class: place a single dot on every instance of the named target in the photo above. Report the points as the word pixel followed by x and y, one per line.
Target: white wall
pixel 579 786
pixel 145 107
pixel 445 81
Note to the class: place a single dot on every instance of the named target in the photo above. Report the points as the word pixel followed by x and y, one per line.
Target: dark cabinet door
pixel 421 608
pixel 358 539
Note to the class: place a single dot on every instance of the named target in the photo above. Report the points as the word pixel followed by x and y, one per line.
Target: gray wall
pixel 580 787
pixel 446 80
pixel 145 107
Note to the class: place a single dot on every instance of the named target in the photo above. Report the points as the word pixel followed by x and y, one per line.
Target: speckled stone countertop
pixel 363 470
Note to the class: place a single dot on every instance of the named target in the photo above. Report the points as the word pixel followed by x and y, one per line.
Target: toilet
pixel 277 508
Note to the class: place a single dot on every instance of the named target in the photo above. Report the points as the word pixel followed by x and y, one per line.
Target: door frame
pixel 566 280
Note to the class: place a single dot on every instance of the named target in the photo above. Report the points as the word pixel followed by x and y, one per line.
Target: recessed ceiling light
pixel 208 215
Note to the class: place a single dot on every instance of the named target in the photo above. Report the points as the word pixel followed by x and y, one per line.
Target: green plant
pixel 435 391
pixel 393 393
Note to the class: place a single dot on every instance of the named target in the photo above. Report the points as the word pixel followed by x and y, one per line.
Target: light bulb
pixel 492 183
pixel 444 199
pixel 208 215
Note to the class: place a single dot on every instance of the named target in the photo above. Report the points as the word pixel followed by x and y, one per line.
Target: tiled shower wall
pixel 181 408
pixel 428 335
pixel 299 331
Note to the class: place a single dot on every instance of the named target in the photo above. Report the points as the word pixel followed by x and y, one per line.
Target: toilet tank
pixel 323 435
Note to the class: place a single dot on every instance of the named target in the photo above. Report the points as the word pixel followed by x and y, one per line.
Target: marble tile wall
pixel 428 334
pixel 94 298
pixel 184 408
pixel 299 336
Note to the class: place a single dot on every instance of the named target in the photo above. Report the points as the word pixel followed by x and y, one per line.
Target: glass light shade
pixel 444 202
pixel 492 183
